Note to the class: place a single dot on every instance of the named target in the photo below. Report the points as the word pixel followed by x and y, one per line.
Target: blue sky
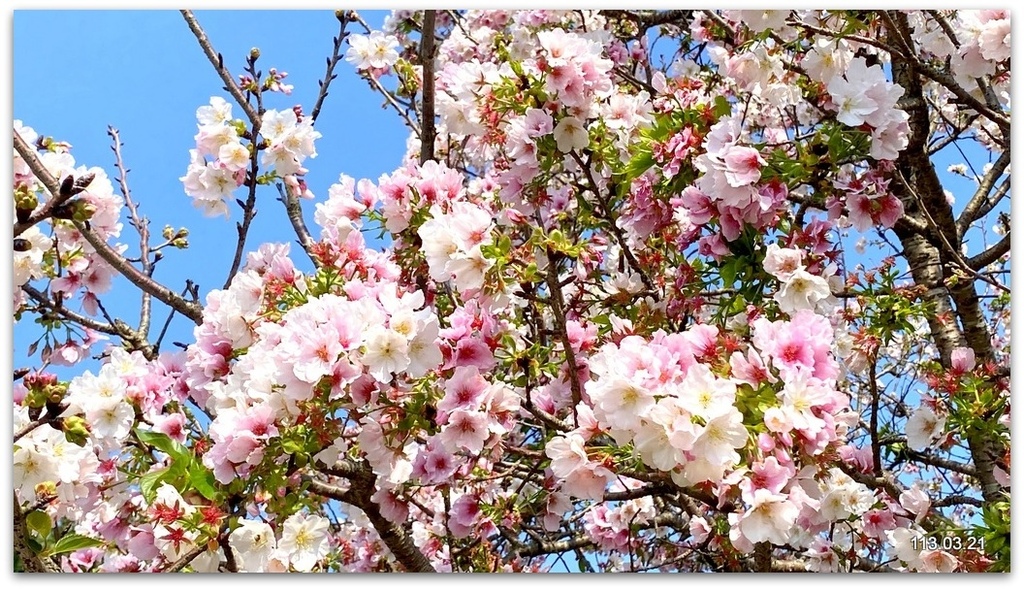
pixel 144 73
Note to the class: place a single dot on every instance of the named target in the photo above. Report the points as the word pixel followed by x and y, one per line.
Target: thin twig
pixel 332 61
pixel 184 560
pixel 141 225
pixel 248 210
pixel 557 302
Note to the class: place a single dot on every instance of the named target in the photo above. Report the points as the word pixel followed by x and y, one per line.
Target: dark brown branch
pixel 427 109
pixel 218 64
pixel 293 206
pixel 557 309
pixel 26 429
pixel 77 318
pixel 184 560
pixel 396 539
pixel 973 209
pixel 876 447
pixel 991 255
pixel 248 209
pixel 29 560
pixel 945 26
pixel 613 227
pixel 652 18
pixel 940 462
pixel 956 500
pixel 57 197
pixel 538 548
pixel 344 18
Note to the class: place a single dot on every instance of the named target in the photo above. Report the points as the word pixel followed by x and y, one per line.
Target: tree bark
pixel 953 298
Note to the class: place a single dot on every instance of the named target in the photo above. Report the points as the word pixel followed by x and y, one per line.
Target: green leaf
pixel 292 446
pixel 639 163
pixel 161 441
pixel 203 481
pixel 39 523
pixel 149 482
pixel 73 542
pixel 722 106
pixel 728 274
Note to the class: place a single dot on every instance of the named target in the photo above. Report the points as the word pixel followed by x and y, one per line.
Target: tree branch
pixel 396 539
pixel 972 210
pixel 293 206
pixel 190 309
pixel 57 197
pixel 557 309
pixel 248 209
pixel 991 255
pixel 343 17
pixel 141 225
pixel 218 64
pixel 427 110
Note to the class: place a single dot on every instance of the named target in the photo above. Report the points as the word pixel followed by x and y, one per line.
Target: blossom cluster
pixel 220 162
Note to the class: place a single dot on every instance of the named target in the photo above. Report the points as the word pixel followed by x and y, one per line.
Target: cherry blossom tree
pixel 679 290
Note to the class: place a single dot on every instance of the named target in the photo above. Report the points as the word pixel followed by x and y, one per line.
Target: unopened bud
pixel 254 53
pixel 84 210
pixel 66 185
pixel 168 232
pixel 75 426
pixel 82 182
pixel 181 243
pixel 25 202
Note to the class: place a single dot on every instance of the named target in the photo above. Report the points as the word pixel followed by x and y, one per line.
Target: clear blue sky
pixel 75 72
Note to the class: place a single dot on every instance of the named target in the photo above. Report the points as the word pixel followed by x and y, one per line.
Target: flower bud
pixel 25 202
pixel 83 210
pixel 254 53
pixel 76 428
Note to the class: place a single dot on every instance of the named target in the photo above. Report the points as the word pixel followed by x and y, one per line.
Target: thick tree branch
pixel 293 207
pixel 972 210
pixel 218 64
pixel 396 539
pixel 991 255
pixel 57 197
pixel 427 109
